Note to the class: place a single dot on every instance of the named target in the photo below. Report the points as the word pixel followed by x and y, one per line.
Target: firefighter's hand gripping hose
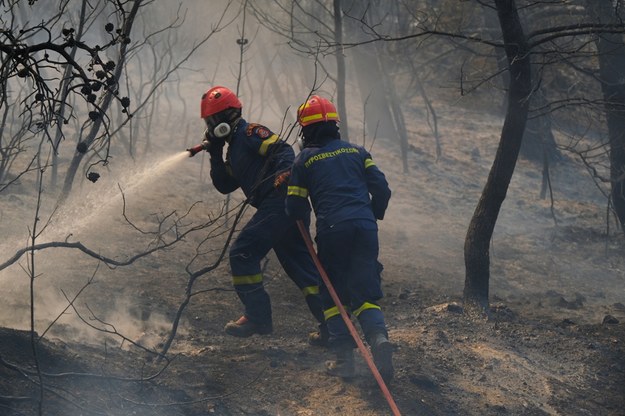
pixel 352 330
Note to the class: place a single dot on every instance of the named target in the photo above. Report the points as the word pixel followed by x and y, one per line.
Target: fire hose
pixel 352 330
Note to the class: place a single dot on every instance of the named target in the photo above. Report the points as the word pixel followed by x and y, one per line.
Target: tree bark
pixel 64 93
pixel 480 231
pixel 539 144
pixel 611 50
pixel 104 106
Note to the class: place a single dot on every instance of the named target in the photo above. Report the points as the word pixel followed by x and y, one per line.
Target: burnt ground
pixel 555 345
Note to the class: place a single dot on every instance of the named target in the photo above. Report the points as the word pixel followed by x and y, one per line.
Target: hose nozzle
pixel 198 148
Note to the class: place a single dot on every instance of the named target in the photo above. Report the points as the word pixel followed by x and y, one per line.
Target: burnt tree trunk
pixel 539 144
pixel 476 246
pixel 611 50
pixel 103 108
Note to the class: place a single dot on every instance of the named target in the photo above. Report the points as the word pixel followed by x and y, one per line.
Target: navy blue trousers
pixel 270 228
pixel 349 254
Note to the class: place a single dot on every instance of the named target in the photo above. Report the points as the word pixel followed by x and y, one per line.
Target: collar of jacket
pixel 236 123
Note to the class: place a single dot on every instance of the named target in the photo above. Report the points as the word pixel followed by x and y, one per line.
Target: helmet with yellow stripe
pixel 316 109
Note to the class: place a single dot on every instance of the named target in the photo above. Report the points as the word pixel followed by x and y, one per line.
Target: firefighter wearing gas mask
pixel 257 161
pixel 348 194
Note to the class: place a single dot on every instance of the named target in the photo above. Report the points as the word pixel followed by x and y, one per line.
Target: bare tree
pixel 51 78
pixel 310 28
pixel 169 231
pixel 98 117
pixel 341 80
pixel 565 45
pixel 477 243
pixel 35 57
pixel 14 140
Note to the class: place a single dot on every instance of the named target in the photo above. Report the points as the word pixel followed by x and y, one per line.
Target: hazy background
pixel 421 239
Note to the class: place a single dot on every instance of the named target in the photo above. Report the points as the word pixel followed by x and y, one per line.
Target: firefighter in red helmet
pixel 349 193
pixel 256 160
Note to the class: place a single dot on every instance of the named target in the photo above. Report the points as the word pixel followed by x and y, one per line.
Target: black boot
pixel 382 351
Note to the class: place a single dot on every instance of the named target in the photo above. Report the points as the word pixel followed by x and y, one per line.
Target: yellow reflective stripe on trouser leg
pixel 310 290
pixel 329 313
pixel 333 311
pixel 364 307
pixel 249 279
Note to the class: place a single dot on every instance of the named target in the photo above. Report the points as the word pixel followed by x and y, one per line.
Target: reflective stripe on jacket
pixel 255 154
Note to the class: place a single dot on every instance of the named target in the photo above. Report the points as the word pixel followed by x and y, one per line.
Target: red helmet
pixel 218 99
pixel 316 109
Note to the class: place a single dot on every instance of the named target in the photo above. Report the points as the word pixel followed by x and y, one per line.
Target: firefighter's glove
pixel 281 178
pixel 216 148
pixel 206 144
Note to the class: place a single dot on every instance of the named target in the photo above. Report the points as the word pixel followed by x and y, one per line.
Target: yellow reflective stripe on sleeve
pixel 364 307
pixel 297 191
pixel 310 290
pixel 249 279
pixel 369 163
pixel 266 143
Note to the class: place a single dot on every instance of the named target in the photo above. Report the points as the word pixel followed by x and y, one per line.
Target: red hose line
pixel 352 330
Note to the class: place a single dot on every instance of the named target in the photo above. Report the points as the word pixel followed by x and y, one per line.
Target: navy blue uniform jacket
pixel 255 155
pixel 343 183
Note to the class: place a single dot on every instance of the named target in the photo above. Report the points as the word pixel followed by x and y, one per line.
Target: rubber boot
pixel 382 351
pixel 344 365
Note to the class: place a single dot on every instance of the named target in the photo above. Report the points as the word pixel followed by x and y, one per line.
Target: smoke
pixel 93 217
pixel 421 237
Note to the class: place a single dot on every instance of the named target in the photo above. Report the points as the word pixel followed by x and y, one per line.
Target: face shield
pixel 211 122
pixel 220 125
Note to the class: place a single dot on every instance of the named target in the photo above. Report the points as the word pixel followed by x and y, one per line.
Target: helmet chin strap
pixel 300 140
